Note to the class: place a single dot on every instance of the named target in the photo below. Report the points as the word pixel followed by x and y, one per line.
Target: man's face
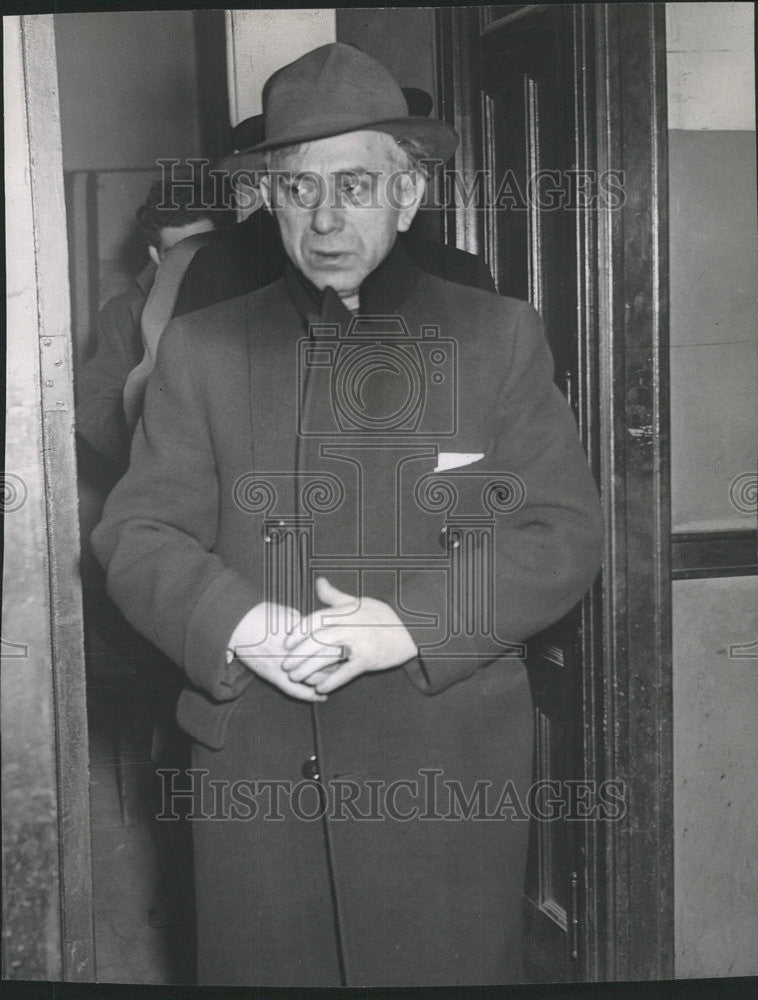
pixel 338 212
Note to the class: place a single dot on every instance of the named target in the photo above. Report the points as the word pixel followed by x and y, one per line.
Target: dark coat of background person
pixel 100 419
pixel 417 903
pixel 250 255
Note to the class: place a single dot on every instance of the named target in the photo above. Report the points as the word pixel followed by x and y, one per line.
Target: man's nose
pixel 326 217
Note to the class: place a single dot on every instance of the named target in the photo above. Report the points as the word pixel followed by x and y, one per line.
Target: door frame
pixel 47 871
pixel 625 907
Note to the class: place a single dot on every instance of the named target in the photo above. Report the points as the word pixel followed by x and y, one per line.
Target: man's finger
pixel 330 643
pixel 321 675
pixel 301 630
pixel 303 661
pixel 305 628
pixel 341 676
pixel 302 692
pixel 328 594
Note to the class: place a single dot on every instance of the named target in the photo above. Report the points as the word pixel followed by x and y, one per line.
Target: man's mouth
pixel 326 258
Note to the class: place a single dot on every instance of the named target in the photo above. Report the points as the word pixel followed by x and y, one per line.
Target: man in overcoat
pixel 352 495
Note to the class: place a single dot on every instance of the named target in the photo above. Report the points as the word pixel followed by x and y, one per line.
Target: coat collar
pixel 382 293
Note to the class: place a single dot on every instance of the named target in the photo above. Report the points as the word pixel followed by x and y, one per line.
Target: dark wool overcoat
pixel 378 838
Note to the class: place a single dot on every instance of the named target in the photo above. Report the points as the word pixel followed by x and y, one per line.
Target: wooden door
pixel 516 94
pixel 526 92
pixel 561 111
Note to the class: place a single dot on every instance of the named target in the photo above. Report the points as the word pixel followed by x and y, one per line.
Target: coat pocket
pixel 203 720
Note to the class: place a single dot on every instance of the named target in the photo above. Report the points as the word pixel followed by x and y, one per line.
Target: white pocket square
pixel 455 460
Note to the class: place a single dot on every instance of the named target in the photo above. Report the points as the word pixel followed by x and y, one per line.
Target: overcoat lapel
pixel 272 348
pixel 364 463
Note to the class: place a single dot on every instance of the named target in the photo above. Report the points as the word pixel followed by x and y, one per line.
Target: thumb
pixel 328 594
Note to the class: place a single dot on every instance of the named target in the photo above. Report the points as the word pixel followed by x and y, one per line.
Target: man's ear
pixel 264 186
pixel 155 257
pixel 409 193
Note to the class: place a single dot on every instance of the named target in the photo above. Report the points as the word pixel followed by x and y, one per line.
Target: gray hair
pixel 416 155
pixel 413 154
pixel 273 158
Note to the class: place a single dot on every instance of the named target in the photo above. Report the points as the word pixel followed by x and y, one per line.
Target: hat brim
pixel 438 139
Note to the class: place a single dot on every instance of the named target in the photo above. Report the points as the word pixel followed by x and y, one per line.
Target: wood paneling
pixel 636 743
pixel 616 84
pixel 702 554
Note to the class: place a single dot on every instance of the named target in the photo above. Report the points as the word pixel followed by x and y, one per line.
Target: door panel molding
pixel 459 103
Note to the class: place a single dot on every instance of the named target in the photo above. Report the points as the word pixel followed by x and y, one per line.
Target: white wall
pixel 716 767
pixel 710 65
pixel 261 41
pixel 714 415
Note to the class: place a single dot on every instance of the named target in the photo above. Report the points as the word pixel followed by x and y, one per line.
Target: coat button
pixel 311 769
pixel 450 538
pixel 272 532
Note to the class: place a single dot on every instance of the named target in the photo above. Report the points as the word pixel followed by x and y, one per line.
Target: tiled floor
pixel 127 948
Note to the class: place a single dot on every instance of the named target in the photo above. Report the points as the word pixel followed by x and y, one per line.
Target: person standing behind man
pixel 165 219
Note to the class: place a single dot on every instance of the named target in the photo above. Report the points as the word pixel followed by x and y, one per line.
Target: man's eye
pixel 355 184
pixel 305 191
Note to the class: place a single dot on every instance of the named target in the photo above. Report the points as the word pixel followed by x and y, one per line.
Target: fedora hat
pixel 334 89
pixel 251 131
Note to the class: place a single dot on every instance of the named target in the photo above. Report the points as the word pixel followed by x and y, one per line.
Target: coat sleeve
pixel 548 528
pixel 158 531
pixel 99 388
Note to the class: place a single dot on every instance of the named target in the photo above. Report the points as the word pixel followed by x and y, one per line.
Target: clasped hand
pixel 331 647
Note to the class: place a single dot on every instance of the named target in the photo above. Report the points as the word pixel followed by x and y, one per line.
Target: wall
pixel 128 96
pixel 127 87
pixel 714 413
pixel 715 768
pixel 713 258
pixel 261 41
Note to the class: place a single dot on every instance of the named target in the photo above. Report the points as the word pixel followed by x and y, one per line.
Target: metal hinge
pixel 54 372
